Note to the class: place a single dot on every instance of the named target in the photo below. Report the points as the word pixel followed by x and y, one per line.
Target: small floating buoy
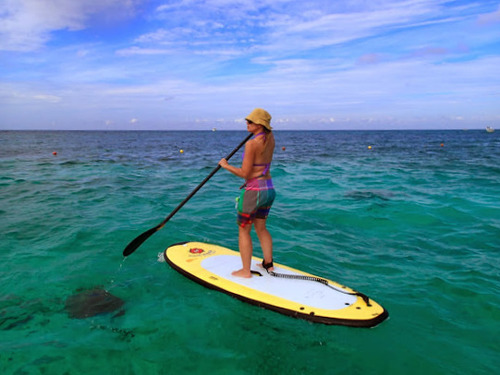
pixel 181 151
pixel 442 144
pixel 369 147
pixel 283 148
pixel 54 153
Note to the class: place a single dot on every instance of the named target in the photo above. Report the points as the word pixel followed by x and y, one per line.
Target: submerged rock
pixel 369 194
pixel 92 302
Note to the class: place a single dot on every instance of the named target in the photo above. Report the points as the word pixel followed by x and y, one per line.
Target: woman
pixel 258 192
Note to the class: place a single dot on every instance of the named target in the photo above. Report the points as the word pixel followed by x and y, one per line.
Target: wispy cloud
pixel 27 25
pixel 490 18
pixel 356 62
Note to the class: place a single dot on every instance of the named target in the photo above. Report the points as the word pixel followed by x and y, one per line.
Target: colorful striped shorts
pixel 255 201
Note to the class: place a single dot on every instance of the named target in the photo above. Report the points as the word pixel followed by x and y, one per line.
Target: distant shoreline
pixel 232 130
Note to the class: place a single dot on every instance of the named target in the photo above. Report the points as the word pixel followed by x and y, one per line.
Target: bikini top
pixel 266 165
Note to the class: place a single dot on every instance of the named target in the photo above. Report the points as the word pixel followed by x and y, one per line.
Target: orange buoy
pixel 283 148
pixel 54 153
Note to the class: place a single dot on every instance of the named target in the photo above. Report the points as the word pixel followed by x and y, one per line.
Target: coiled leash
pixel 266 266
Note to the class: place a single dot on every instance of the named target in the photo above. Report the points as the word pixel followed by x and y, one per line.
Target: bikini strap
pixel 261 133
pixel 267 165
pixel 266 169
pixel 255 136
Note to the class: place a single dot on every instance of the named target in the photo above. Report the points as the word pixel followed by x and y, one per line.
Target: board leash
pixel 321 281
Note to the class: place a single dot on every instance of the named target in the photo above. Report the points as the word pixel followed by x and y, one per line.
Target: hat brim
pixel 268 127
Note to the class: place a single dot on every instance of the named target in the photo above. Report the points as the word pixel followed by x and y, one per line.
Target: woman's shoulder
pixel 251 147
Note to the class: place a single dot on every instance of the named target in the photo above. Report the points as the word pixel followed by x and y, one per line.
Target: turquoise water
pixel 413 222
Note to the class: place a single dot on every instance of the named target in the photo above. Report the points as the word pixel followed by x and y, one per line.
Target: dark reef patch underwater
pixel 93 302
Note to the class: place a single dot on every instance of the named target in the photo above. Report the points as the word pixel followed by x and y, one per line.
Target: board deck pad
pixel 211 265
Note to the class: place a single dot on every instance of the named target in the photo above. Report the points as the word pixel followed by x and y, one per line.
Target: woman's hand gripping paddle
pixel 136 242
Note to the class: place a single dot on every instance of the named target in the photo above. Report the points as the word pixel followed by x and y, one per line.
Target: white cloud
pixel 489 18
pixel 143 51
pixel 47 98
pixel 26 25
pixel 333 62
pixel 15 94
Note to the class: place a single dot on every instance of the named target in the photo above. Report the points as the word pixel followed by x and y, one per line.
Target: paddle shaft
pixel 135 243
pixel 203 182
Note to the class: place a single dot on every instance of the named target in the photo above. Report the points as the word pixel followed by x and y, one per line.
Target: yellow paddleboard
pixel 288 291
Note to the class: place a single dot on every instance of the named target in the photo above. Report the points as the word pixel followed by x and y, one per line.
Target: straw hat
pixel 261 117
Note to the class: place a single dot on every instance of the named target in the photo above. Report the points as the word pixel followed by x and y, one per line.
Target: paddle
pixel 132 246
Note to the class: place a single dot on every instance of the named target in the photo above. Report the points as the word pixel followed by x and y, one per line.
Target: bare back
pixel 263 155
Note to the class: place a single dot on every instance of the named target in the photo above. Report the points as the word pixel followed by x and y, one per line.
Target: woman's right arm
pixel 246 166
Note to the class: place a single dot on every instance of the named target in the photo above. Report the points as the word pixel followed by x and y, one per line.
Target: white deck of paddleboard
pixel 306 292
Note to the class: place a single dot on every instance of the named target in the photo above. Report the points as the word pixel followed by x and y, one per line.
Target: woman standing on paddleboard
pixel 258 193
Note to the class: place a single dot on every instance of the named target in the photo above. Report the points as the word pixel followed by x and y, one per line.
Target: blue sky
pixel 192 64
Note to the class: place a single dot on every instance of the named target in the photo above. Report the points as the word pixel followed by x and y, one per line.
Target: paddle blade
pixel 135 243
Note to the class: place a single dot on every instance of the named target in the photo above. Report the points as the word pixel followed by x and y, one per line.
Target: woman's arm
pixel 246 166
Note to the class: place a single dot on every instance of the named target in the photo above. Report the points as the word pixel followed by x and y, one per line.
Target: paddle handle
pixel 136 242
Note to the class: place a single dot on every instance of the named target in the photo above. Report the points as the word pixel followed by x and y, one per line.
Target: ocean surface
pixel 410 218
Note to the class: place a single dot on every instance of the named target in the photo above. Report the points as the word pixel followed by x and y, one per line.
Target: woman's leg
pixel 266 241
pixel 246 249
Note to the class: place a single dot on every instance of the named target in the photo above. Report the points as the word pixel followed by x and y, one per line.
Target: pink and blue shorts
pixel 255 201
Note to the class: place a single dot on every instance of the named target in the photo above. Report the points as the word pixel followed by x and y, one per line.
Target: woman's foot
pixel 242 273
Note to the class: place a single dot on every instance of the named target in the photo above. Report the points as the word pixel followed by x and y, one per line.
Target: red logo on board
pixel 196 250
